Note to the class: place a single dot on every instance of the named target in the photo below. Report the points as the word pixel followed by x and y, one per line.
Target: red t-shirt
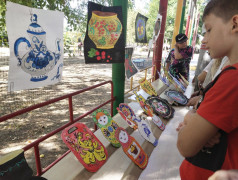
pixel 220 107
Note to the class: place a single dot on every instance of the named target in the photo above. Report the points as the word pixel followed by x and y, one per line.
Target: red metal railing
pixel 36 143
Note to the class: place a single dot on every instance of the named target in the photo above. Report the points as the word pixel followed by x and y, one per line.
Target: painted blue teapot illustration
pixel 38 61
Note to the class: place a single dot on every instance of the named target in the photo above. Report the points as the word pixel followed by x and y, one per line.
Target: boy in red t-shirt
pixel 207 138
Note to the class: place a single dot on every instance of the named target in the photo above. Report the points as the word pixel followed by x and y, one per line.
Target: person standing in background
pixel 179 58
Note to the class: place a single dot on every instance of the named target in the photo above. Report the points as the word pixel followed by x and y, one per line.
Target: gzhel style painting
pixel 36 47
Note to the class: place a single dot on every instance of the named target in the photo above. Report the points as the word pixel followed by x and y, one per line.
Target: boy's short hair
pixel 224 9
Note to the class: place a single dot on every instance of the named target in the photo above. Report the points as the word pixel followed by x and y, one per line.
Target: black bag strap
pixel 215 80
pixel 209 86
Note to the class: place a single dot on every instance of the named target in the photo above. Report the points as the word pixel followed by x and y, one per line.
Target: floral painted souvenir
pixel 104 39
pixel 177 96
pixel 161 107
pixel 147 87
pixel 85 146
pixel 127 114
pixel 132 148
pixel 108 127
pixel 146 108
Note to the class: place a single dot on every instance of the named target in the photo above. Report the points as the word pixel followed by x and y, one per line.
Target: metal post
pixel 195 31
pixel 177 21
pixel 118 70
pixel 192 27
pixel 158 48
pixel 182 17
pixel 191 18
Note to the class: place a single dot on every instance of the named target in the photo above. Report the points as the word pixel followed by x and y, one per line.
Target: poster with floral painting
pixel 36 46
pixel 104 41
pixel 140 28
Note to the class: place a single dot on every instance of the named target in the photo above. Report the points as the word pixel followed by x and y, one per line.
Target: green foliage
pixel 130 35
pixel 76 16
pixel 152 14
pixel 170 19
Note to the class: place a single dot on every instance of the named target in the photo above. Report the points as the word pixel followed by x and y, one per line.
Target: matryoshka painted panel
pixel 177 96
pixel 107 125
pixel 36 46
pixel 132 148
pixel 140 28
pixel 104 41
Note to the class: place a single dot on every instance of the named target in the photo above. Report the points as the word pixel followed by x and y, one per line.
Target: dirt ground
pixel 25 129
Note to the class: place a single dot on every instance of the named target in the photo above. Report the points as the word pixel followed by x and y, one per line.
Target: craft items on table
pixel 130 68
pixel 163 79
pixel 140 28
pixel 104 40
pixel 177 96
pixel 147 87
pixel 178 83
pixel 85 146
pixel 145 131
pixel 143 127
pixel 161 107
pixel 132 148
pixel 184 80
pixel 36 46
pixel 171 81
pixel 155 120
pixel 107 125
pixel 127 114
pixel 146 108
pixel 149 111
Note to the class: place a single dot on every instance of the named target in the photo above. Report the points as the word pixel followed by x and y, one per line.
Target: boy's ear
pixel 235 23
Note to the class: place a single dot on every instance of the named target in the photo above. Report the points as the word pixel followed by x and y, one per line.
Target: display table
pixel 164 159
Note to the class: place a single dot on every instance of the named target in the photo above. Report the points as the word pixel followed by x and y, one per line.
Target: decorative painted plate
pixel 161 107
pixel 177 97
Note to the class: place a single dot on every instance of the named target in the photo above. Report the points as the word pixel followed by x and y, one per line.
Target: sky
pixel 141 4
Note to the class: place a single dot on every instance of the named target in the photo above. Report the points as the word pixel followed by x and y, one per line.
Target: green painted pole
pixel 118 70
pixel 182 17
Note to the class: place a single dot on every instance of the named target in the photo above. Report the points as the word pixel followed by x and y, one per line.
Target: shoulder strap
pixel 209 86
pixel 215 80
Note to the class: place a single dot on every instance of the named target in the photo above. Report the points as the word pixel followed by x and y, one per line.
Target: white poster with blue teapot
pixel 36 46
